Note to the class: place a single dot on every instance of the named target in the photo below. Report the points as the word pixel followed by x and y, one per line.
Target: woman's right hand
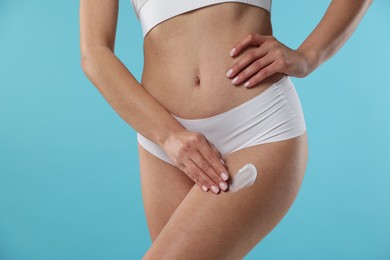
pixel 192 153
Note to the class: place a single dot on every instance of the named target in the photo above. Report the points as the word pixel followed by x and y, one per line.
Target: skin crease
pixel 187 58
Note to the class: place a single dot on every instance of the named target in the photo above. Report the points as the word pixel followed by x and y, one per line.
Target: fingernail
pixel 204 188
pixel 234 81
pixel 232 51
pixel 224 176
pixel 223 185
pixel 246 84
pixel 214 189
pixel 229 72
pixel 223 162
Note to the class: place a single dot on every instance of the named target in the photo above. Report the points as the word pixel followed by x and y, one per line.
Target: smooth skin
pixel 187 223
pixel 190 151
pixel 184 221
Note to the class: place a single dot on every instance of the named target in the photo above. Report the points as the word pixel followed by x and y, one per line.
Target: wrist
pixel 167 133
pixel 311 57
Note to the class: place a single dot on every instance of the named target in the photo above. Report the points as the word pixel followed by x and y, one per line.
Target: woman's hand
pixel 192 153
pixel 270 56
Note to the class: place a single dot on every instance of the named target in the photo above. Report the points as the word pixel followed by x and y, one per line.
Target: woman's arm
pixel 190 151
pixel 339 22
pixel 118 86
pixel 271 56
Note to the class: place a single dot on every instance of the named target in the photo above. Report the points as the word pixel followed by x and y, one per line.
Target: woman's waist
pixel 200 92
pixel 203 36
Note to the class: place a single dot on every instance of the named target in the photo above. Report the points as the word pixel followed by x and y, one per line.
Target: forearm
pixel 127 97
pixel 337 25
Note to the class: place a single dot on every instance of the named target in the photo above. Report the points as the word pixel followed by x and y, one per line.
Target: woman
pixel 221 132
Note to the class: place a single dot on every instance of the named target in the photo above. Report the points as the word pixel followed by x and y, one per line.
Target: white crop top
pixel 152 12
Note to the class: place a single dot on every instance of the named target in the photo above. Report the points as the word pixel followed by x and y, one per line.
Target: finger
pixel 250 39
pixel 245 61
pixel 187 168
pixel 273 68
pixel 203 180
pixel 255 67
pixel 206 168
pixel 213 160
pixel 215 149
pixel 219 156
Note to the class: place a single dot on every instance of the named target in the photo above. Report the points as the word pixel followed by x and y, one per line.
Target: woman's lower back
pixel 186 59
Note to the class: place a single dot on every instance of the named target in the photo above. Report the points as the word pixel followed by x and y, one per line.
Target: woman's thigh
pixel 163 189
pixel 230 224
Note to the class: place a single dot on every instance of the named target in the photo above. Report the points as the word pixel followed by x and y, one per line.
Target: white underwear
pixel 273 115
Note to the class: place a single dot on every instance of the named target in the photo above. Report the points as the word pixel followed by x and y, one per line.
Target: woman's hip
pixel 275 114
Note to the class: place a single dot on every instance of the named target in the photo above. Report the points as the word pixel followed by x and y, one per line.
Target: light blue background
pixel 69 173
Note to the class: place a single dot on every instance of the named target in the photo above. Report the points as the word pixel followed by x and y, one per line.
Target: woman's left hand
pixel 270 56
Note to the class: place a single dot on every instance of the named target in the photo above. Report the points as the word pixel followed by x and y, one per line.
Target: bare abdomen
pixel 186 59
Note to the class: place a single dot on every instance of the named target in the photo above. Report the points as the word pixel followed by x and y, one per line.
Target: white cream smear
pixel 245 177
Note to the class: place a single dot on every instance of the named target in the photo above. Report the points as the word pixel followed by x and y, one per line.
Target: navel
pixel 197 80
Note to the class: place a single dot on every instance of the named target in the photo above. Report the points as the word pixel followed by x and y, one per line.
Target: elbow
pixel 84 62
pixel 88 62
pixel 88 57
pixel 85 56
pixel 91 57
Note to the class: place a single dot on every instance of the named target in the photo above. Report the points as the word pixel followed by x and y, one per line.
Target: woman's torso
pixel 187 56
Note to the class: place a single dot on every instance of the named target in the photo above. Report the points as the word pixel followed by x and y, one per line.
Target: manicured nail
pixel 229 72
pixel 223 185
pixel 214 189
pixel 246 84
pixel 204 188
pixel 232 51
pixel 234 81
pixel 224 176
